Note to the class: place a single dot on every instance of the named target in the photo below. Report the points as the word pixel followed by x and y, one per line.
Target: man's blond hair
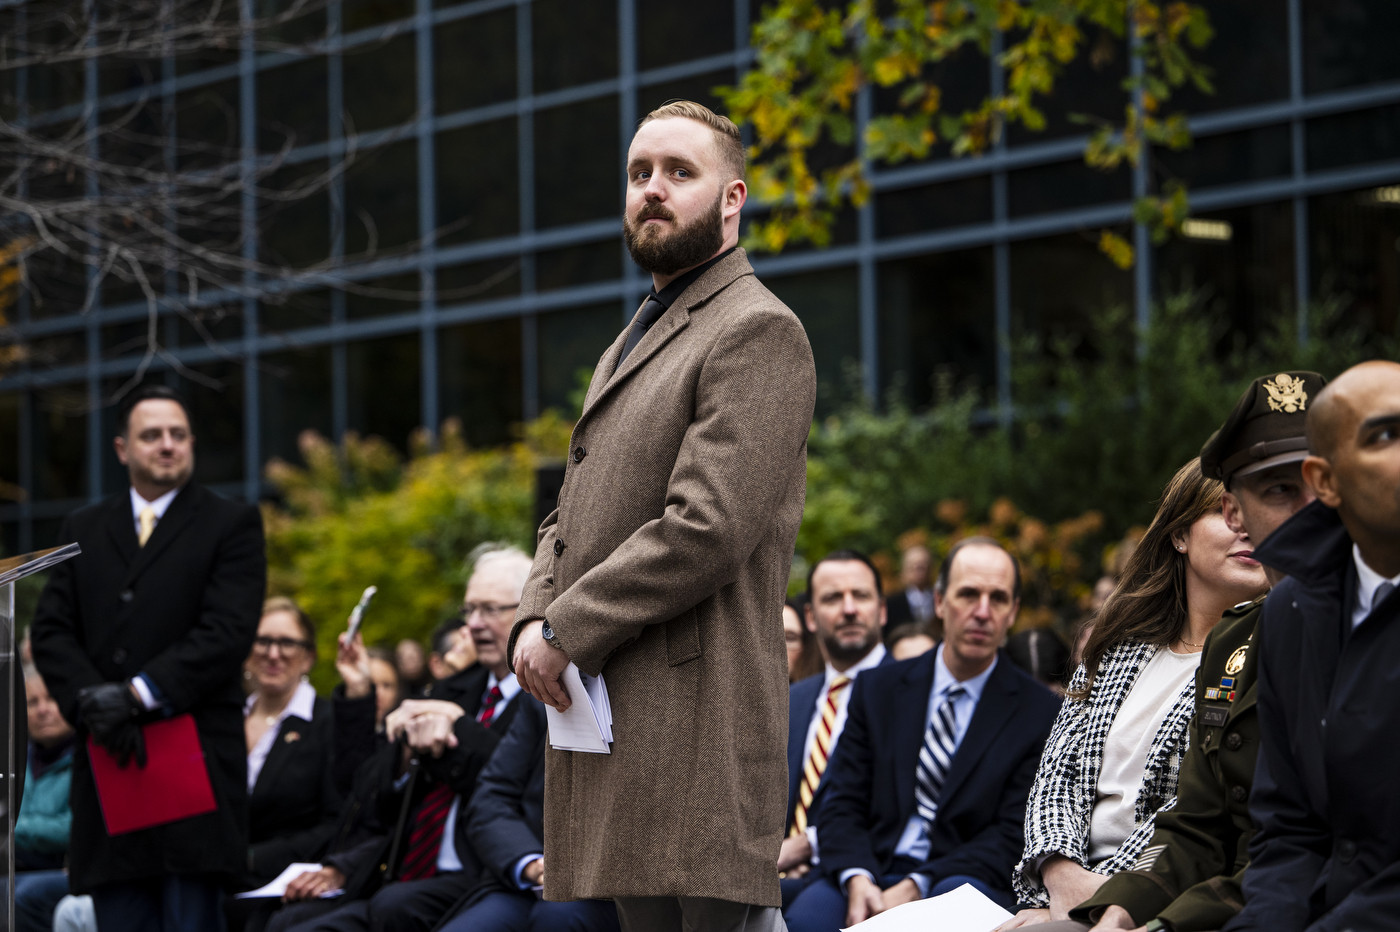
pixel 728 142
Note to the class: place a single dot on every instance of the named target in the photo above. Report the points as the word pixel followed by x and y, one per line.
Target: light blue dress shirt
pixel 914 842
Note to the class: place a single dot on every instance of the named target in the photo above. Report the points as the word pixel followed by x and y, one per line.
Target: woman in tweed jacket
pixel 1112 758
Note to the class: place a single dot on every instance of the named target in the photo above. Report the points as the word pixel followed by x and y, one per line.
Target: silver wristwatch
pixel 550 637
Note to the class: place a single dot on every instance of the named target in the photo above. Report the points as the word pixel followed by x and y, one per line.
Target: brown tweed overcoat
pixel 664 568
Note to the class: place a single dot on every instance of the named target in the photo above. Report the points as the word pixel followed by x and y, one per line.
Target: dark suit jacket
pixel 374 846
pixel 1326 855
pixel 898 612
pixel 869 795
pixel 802 708
pixel 183 610
pixel 505 821
pixel 295 803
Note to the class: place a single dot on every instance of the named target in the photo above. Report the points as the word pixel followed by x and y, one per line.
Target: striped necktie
pixel 488 706
pixel 817 759
pixel 425 838
pixel 936 756
pixel 1382 593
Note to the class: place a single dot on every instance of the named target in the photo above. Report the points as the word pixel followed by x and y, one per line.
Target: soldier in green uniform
pixel 1188 877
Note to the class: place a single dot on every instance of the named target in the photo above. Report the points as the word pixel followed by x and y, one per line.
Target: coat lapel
pixel 911 718
pixel 281 751
pixel 177 517
pixel 121 527
pixel 994 710
pixel 677 316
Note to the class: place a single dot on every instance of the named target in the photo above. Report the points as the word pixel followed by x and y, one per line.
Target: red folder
pixel 173 785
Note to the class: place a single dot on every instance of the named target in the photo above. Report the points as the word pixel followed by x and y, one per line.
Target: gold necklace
pixel 1189 644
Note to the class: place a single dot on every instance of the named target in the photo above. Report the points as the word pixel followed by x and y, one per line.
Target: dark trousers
pixel 36 895
pixel 822 906
pixel 522 912
pixel 404 906
pixel 792 886
pixel 177 903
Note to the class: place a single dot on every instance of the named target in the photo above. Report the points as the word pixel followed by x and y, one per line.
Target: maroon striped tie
pixel 488 707
pixel 426 837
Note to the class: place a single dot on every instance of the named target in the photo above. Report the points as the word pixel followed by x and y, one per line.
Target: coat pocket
pixel 683 638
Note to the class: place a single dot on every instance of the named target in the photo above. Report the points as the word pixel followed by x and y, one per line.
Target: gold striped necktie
pixel 817 759
pixel 148 524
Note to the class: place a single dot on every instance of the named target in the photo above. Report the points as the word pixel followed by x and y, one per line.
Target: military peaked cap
pixel 1265 429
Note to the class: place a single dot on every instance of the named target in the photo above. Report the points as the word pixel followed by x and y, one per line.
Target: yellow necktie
pixel 817 759
pixel 148 524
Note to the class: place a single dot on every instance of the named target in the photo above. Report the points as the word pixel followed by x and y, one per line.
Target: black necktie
pixel 651 312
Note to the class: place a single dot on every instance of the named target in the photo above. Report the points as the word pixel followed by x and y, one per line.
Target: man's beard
pixel 683 248
pixel 849 653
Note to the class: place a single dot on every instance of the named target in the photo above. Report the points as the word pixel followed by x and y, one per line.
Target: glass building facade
pixel 487 140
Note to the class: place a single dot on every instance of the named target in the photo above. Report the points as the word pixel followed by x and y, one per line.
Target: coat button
pixel 558 547
pixel 1346 849
pixel 1238 794
pixel 119 655
pixel 579 454
pixel 126 595
pixel 1234 741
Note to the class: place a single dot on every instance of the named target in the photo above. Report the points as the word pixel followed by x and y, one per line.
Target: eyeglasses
pixel 487 609
pixel 288 646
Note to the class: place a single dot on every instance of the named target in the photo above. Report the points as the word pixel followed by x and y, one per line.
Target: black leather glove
pixel 110 710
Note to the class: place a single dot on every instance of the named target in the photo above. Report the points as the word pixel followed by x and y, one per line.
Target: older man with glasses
pixel 408 876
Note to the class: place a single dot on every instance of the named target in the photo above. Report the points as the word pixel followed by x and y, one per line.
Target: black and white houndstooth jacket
pixel 1066 785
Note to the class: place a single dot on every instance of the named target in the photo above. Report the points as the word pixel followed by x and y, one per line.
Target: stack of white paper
pixel 587 725
pixel 965 909
pixel 278 886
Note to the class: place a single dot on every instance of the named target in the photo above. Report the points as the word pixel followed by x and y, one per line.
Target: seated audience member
pixel 404 877
pixel 909 641
pixel 1112 761
pixel 803 656
pixel 388 688
pixel 505 825
pixel 41 831
pixel 1190 878
pixel 293 793
pixel 928 787
pixel 412 665
pixel 453 651
pixel 1325 853
pixel 913 604
pixel 846 612
pixel 1042 654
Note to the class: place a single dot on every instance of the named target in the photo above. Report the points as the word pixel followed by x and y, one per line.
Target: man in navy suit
pixel 928 788
pixel 846 611
pixel 505 824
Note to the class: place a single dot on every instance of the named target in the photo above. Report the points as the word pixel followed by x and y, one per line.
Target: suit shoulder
pixel 229 508
pixel 80 519
pixel 1032 691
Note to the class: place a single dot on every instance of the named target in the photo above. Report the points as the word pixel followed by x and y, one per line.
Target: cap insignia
pixel 1286 394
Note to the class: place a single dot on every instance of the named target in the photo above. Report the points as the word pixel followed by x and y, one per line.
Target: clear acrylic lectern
pixel 12 707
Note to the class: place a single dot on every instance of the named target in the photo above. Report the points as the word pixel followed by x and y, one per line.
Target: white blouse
pixel 1129 741
pixel 303 704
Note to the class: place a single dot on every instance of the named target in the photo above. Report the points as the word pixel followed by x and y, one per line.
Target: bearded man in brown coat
pixel 665 565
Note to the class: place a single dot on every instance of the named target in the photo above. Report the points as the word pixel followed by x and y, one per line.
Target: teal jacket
pixel 45 818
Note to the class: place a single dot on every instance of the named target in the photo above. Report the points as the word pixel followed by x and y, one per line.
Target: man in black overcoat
pixel 155 619
pixel 1326 853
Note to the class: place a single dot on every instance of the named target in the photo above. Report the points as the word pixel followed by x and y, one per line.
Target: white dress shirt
pixel 302 705
pixel 447 855
pixel 159 506
pixel 1367 582
pixel 914 843
pixel 920 603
